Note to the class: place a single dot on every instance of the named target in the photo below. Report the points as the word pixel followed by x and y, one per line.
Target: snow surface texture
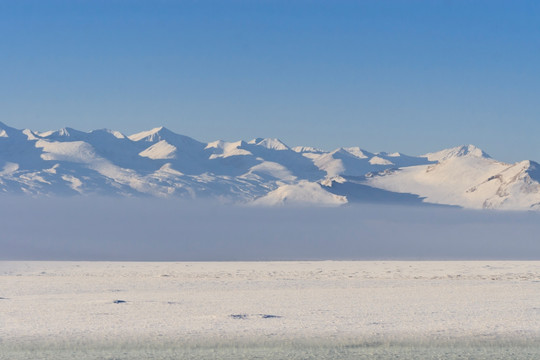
pixel 45 305
pixel 161 163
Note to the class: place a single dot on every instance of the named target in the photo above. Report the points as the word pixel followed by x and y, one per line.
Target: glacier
pixel 262 171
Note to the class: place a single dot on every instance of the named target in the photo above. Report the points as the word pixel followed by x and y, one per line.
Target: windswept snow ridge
pixel 262 171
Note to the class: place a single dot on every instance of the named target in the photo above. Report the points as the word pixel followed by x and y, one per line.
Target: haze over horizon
pixel 112 229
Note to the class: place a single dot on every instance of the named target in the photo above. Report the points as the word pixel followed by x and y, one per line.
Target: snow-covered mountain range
pixel 162 163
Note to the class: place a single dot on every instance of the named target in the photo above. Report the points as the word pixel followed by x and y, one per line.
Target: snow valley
pixel 161 163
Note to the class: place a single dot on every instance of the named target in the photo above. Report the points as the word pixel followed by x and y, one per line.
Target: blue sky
pixel 410 76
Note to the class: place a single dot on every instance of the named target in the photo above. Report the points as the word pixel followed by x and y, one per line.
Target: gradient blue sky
pixel 410 76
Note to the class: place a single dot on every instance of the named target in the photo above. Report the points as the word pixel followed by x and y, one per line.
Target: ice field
pixel 222 310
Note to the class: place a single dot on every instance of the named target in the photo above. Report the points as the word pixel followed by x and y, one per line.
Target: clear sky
pixel 409 76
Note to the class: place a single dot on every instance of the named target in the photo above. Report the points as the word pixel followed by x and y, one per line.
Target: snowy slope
pixel 162 163
pixel 303 192
pixel 467 178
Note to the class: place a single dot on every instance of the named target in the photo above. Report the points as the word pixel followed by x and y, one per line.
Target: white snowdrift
pixel 303 193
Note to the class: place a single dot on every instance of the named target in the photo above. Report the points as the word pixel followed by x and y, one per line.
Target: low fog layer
pixel 174 230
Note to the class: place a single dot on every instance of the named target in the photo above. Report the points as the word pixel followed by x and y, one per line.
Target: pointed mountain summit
pixel 107 133
pixel 269 143
pixel 223 149
pixel 307 149
pixel 8 132
pixel 459 151
pixel 3 132
pixel 161 133
pixel 66 132
pixel 159 162
pixel 5 127
pixel 355 151
pixel 153 135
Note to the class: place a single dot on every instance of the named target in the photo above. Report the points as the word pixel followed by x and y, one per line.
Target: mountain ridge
pixel 264 171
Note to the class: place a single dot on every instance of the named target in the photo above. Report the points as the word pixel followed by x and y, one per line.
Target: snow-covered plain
pixel 328 309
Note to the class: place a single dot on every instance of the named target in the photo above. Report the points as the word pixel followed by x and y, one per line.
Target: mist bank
pixel 120 229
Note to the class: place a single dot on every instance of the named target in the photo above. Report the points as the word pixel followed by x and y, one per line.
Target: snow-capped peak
pixel 159 162
pixel 307 149
pixel 64 132
pixel 269 143
pixel 29 134
pixel 459 151
pixel 149 135
pixel 61 133
pixel 352 151
pixel 220 144
pixel 223 149
pixel 116 134
pixel 356 151
pixel 185 144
